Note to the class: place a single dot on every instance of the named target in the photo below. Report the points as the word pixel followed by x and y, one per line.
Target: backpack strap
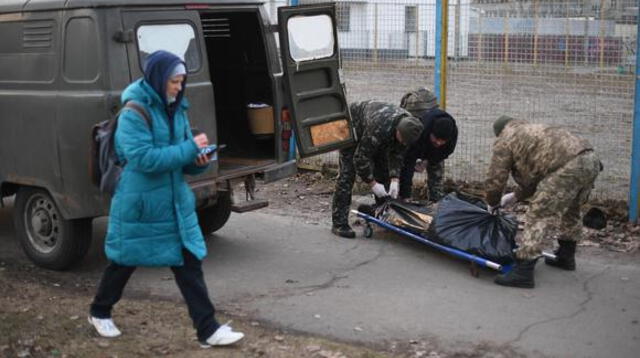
pixel 142 112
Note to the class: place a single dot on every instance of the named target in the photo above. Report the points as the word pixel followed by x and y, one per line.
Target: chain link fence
pixel 569 63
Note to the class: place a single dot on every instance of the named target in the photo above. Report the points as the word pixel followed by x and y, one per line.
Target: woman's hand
pixel 201 140
pixel 202 160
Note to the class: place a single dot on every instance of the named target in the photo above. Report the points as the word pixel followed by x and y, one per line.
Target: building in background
pixel 394 29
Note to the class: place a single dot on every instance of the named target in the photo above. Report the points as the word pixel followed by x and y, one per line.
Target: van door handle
pixel 123 36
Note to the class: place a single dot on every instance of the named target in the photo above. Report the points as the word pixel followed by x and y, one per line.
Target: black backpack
pixel 104 166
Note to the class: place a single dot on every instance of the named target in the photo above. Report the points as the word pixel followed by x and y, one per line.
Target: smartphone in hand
pixel 211 151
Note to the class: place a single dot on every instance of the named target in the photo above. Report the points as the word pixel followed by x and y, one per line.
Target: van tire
pixel 46 237
pixel 213 218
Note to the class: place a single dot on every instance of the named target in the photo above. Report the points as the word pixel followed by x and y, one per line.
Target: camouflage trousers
pixel 346 178
pixel 555 206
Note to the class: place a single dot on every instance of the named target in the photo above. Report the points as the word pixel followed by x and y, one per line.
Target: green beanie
pixel 500 123
pixel 410 128
pixel 419 101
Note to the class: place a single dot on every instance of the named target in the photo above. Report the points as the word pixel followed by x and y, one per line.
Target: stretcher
pixel 475 261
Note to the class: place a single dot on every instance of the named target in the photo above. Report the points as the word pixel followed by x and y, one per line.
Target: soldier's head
pixel 408 130
pixel 500 123
pixel 443 130
pixel 419 101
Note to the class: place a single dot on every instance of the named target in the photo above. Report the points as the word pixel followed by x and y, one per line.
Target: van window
pixel 310 37
pixel 179 39
pixel 81 50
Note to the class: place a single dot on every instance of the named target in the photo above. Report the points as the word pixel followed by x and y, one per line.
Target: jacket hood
pixel 157 70
pixel 140 91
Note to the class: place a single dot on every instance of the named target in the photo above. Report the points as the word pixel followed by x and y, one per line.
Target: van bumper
pixel 280 171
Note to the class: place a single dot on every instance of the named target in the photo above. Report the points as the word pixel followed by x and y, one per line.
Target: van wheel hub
pixel 43 223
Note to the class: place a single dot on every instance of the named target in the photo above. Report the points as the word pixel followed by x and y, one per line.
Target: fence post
pixel 567 31
pixel 506 38
pixel 480 33
pixel 440 80
pixel 293 150
pixel 417 34
pixel 457 30
pixel 535 33
pixel 601 40
pixel 635 149
pixel 375 33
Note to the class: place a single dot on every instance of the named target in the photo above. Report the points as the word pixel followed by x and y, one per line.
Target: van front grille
pixel 37 34
pixel 216 28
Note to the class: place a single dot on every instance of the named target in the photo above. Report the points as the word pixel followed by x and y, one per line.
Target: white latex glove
pixel 508 200
pixel 421 165
pixel 394 188
pixel 492 209
pixel 379 191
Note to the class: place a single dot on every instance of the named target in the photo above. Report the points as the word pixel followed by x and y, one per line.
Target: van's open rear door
pixel 309 47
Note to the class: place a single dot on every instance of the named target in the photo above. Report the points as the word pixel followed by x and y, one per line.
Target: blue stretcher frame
pixel 451 251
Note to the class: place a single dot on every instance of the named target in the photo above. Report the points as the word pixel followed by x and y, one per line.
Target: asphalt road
pixel 387 289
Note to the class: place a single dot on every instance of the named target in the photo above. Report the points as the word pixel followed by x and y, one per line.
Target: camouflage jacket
pixel 375 124
pixel 529 152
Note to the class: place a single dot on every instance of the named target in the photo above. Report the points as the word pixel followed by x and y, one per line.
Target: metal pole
pixel 440 73
pixel 567 31
pixel 457 30
pixel 480 31
pixel 417 33
pixel 375 34
pixel 506 39
pixel 635 149
pixel 535 32
pixel 602 29
pixel 292 140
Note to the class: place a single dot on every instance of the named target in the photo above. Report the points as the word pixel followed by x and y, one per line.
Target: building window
pixel 410 18
pixel 343 15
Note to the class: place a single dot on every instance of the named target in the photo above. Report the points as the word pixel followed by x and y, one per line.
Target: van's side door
pixel 311 60
pixel 179 32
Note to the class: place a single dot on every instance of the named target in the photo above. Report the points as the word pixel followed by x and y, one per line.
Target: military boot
pixel 520 276
pixel 565 256
pixel 343 231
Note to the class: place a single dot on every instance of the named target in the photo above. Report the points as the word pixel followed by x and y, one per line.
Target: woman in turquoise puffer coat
pixel 152 220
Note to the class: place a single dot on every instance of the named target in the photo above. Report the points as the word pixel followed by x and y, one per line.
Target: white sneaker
pixel 105 327
pixel 223 336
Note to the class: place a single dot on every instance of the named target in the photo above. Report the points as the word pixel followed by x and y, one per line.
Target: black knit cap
pixel 443 128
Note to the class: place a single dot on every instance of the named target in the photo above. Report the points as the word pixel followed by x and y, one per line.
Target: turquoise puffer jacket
pixel 152 216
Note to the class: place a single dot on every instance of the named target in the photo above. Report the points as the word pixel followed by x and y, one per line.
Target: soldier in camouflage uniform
pixel 556 170
pixel 383 132
pixel 437 141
